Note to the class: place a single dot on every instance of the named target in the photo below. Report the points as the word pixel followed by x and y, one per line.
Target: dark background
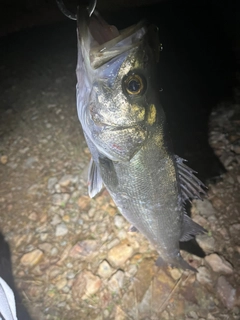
pixel 197 67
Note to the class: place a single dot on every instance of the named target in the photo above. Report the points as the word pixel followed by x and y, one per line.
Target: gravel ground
pixel 73 257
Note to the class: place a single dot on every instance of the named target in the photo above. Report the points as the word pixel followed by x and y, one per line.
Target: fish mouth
pixel 103 42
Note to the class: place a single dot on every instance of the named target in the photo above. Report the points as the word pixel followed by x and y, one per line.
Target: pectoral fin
pixel 94 179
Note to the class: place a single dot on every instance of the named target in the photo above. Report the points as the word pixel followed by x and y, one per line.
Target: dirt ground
pixel 73 258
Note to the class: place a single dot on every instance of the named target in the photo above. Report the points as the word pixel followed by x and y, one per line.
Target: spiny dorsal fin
pixel 94 179
pixel 190 229
pixel 191 186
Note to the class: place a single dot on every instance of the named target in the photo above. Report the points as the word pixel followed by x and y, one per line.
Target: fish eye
pixel 134 84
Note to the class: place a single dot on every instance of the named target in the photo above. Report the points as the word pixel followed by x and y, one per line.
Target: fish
pixel 126 130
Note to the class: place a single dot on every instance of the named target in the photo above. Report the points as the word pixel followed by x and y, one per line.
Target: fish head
pixel 116 77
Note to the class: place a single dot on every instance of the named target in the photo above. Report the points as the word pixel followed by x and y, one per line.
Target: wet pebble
pixel 104 269
pixel 119 221
pixel 51 183
pixel 61 230
pixel 116 281
pixel 206 243
pixel 119 254
pixel 60 199
pixel 226 292
pixel 204 277
pixel 65 180
pixel 32 258
pixel 85 285
pixel 218 264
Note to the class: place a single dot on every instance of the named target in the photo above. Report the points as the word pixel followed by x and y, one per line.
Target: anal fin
pixel 190 229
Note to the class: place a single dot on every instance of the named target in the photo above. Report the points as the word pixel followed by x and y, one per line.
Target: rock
pixel 56 220
pixel 30 162
pixel 4 159
pixel 45 247
pixel 175 273
pixel 234 229
pixel 84 248
pixel 65 180
pixel 84 203
pixel 119 221
pixel 60 199
pixel 85 285
pixel 51 183
pixel 61 283
pixel 116 281
pixel 206 243
pixel 119 254
pixel 104 269
pixel 219 264
pixel 120 314
pixel 61 230
pixel 192 315
pixel 226 292
pixel 204 208
pixel 32 258
pixel 204 277
pixel 112 243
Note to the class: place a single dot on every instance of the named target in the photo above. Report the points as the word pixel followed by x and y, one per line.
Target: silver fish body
pixel 125 128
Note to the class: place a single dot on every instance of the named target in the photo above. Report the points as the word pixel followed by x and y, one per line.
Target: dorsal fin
pixel 191 186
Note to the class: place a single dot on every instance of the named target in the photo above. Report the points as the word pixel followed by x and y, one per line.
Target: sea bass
pixel 126 131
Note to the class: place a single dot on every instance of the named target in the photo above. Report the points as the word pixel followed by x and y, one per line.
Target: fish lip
pixel 99 54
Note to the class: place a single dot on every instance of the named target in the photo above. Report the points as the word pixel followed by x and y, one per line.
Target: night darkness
pixel 197 66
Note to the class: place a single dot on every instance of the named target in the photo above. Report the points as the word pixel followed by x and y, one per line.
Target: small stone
pixel 55 220
pixel 45 247
pixel 43 236
pixel 60 199
pixel 4 159
pixel 84 248
pixel 119 254
pixel 219 264
pixel 65 180
pixel 61 230
pixel 234 229
pixel 61 284
pixel 204 277
pixel 165 315
pixel 116 281
pixel 51 183
pixel 84 203
pixel 113 243
pixel 70 275
pixel 32 258
pixel 204 208
pixel 120 314
pixel 206 243
pixel 122 234
pixel 85 285
pixel 104 269
pixel 33 216
pixel 119 221
pixel 175 273
pixel 66 218
pixel 193 315
pixel 30 162
pixel 226 292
